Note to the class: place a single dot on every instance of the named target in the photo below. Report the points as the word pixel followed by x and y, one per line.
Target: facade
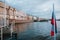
pixel 12 14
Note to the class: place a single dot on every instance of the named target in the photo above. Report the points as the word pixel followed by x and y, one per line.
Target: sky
pixel 39 8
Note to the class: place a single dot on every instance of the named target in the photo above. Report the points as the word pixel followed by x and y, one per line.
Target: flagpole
pixel 54 24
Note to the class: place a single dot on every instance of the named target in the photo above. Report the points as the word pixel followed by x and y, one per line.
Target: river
pixel 35 31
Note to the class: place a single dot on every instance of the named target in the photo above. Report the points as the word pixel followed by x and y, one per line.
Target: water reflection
pixel 34 31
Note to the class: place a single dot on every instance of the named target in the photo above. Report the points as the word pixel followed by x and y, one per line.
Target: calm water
pixel 35 31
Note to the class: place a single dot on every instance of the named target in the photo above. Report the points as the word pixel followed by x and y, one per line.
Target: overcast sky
pixel 40 8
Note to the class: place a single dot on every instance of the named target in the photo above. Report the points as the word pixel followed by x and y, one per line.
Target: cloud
pixel 41 8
